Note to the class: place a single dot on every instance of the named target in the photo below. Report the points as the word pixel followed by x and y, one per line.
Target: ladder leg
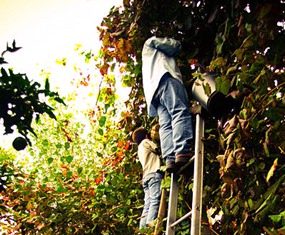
pixel 161 212
pixel 198 178
pixel 172 205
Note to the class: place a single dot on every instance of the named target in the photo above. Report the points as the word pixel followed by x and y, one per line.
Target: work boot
pixel 184 163
pixel 182 159
pixel 170 166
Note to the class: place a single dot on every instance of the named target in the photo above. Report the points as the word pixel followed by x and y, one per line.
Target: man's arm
pixel 152 147
pixel 168 46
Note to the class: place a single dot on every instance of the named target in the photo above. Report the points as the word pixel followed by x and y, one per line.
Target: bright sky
pixel 49 29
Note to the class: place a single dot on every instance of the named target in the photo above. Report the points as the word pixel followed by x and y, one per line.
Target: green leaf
pixel 100 131
pixel 50 160
pixel 4 73
pixel 275 218
pixel 265 199
pixel 59 100
pixel 79 170
pixel 50 113
pixel 114 149
pixel 250 203
pixel 45 142
pixel 274 114
pixel 102 121
pixel 223 85
pixel 58 145
pixel 60 189
pixel 69 159
pixel 47 84
pixel 66 145
pixel 69 174
pixel 99 154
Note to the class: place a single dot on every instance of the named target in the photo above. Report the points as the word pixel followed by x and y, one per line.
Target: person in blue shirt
pixel 167 98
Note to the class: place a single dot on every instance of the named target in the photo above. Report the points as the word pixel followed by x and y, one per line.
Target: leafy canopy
pixel 88 177
pixel 22 100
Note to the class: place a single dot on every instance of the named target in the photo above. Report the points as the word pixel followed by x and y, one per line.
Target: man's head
pixel 139 135
pixel 160 32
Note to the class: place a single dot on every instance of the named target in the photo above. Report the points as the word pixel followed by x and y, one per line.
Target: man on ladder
pixel 167 98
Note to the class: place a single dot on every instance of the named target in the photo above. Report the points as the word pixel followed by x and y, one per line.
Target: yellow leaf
pixel 219 62
pixel 122 69
pixel 239 54
pixel 260 75
pixel 247 42
pixel 231 69
pixel 272 169
pixel 29 206
pixel 230 161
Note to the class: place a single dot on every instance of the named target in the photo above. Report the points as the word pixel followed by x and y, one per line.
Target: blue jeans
pixel 175 119
pixel 152 192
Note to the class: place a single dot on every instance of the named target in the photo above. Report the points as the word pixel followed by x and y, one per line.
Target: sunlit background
pixel 47 30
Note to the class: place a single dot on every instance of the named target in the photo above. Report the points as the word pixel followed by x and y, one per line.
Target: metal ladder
pixel 196 211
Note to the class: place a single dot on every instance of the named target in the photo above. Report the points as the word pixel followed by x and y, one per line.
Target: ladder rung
pixel 181 219
pixel 186 165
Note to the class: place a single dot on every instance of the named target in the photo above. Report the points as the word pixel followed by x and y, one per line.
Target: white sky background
pixel 47 30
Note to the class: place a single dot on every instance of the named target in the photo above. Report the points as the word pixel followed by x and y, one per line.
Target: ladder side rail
pixel 198 177
pixel 172 205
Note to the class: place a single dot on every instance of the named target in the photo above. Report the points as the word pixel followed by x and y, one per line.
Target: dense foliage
pixel 22 101
pixel 242 42
pixel 79 176
pixel 83 177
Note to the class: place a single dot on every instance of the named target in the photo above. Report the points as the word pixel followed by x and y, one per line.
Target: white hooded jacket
pixel 157 59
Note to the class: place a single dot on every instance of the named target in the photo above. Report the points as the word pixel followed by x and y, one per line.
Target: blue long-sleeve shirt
pixel 157 59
